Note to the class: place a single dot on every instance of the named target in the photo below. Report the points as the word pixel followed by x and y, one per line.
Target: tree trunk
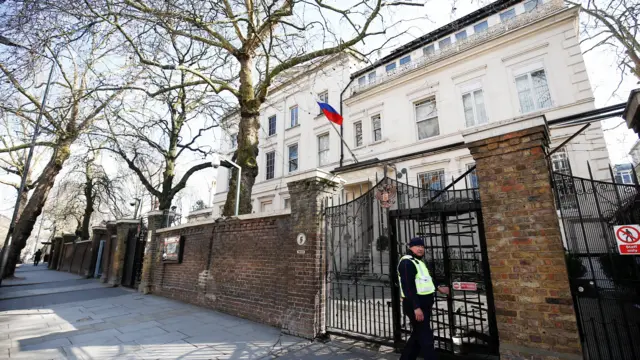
pixel 34 206
pixel 88 209
pixel 247 153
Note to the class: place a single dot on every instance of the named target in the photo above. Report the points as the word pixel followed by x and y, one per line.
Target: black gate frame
pixel 380 306
pixel 605 285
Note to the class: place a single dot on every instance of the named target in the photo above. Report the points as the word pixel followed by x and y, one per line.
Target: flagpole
pixel 342 139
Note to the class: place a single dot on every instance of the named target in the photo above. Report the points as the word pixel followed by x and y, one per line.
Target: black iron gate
pixel 605 285
pixel 134 256
pixel 365 238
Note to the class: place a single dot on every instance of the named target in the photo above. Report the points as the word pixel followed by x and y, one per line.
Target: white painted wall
pixel 546 41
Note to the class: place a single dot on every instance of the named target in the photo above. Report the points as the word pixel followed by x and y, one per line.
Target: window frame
pixel 429 50
pixel 233 140
pixel 471 92
pixel 291 117
pixel 537 4
pixel 373 128
pixel 390 67
pixel 447 42
pixel 406 59
pixel 475 27
pixel 561 156
pixel 273 166
pixel 415 116
pixel 320 150
pixel 275 125
pixel 427 193
pixel 503 15
pixel 472 177
pixel 286 201
pixel 323 96
pixel 355 134
pixel 528 71
pixel 362 80
pixel 460 38
pixel 373 78
pixel 290 159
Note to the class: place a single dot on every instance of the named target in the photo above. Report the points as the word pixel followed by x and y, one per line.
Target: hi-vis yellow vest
pixel 424 283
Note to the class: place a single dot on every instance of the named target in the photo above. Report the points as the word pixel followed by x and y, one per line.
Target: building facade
pixel 406 112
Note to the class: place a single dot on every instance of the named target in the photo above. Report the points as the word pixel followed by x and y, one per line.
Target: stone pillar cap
pixel 127 221
pixel 315 173
pixel 504 127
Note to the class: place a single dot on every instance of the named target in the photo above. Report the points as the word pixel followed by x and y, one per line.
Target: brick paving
pixel 117 323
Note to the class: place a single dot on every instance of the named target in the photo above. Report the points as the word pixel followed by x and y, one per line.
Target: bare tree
pixel 248 45
pixel 77 99
pixel 166 130
pixel 613 25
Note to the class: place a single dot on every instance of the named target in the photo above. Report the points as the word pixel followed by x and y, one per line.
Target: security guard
pixel 418 292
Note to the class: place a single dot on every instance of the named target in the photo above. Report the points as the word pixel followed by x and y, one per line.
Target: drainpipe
pixel 342 126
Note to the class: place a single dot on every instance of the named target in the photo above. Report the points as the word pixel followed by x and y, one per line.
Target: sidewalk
pixel 117 323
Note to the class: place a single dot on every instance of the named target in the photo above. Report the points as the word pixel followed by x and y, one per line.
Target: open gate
pixel 366 237
pixel 605 285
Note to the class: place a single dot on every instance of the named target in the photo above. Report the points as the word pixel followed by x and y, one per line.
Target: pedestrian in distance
pixel 417 290
pixel 36 257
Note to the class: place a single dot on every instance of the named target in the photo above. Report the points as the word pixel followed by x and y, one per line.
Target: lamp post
pixel 230 164
pixel 6 249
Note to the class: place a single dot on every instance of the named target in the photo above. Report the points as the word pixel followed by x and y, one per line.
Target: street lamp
pixel 216 163
pixel 23 181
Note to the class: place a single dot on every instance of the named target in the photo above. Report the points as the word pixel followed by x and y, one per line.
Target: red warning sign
pixel 628 239
pixel 465 286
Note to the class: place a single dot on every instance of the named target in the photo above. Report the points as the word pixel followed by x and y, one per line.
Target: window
pixel 478 28
pixel 431 182
pixel 357 129
pixel 390 67
pixel 293 157
pixel 560 162
pixel 461 35
pixel 474 111
pixel 372 78
pixel 444 43
pixel 427 119
pixel 293 114
pixel 472 178
pixel 626 177
pixel 533 91
pixel 323 149
pixel 405 60
pixel 376 126
pixel 362 80
pixel 509 14
pixel 266 205
pixel 234 141
pixel 287 203
pixel 272 125
pixel 323 97
pixel 271 165
pixel 531 5
pixel 429 50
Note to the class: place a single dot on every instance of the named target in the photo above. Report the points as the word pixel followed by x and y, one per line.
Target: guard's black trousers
pixel 421 340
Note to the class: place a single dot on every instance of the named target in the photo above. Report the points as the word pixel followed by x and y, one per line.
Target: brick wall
pixel 534 307
pixel 235 266
pixel 252 267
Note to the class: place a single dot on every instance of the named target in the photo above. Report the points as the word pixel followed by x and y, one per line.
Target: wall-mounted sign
pixel 172 249
pixel 465 286
pixel 301 239
pixel 628 239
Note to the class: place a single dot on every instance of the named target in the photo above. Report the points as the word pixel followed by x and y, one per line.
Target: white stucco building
pixel 409 109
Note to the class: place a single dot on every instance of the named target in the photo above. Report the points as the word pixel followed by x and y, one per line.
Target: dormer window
pixel 405 60
pixel 429 50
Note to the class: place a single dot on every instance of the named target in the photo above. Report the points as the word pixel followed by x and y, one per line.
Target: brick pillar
pixel 305 303
pixel 152 255
pixel 123 227
pixel 534 307
pixel 56 247
pixel 107 256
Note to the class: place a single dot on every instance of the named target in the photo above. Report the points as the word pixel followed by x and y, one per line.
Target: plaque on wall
pixel 172 249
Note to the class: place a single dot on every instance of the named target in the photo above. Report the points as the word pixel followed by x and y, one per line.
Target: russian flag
pixel 330 113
